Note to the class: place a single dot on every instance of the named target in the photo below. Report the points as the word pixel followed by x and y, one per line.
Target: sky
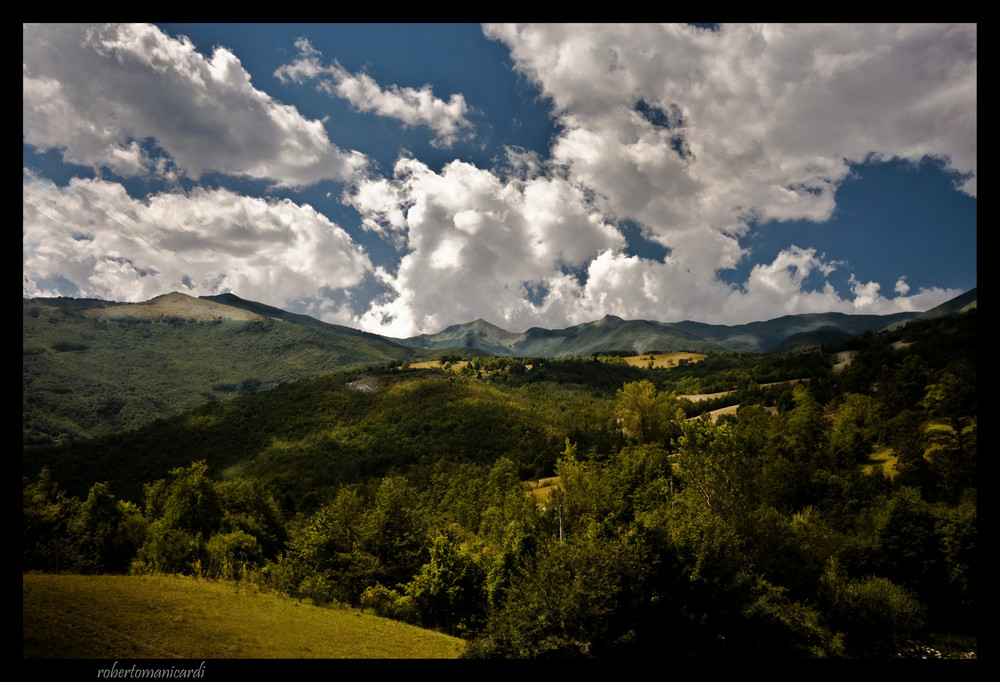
pixel 403 178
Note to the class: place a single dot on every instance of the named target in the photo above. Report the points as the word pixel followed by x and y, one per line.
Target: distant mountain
pixel 955 306
pixel 610 333
pixel 479 334
pixel 769 336
pixel 234 301
pixel 96 367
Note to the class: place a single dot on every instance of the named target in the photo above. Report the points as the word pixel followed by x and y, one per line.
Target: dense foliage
pixel 88 374
pixel 834 517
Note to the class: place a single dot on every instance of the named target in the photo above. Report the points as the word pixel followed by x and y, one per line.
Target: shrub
pixel 389 603
pixel 878 616
pixel 228 552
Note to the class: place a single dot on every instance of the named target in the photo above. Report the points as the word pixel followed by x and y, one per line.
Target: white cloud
pixel 98 92
pixel 779 288
pixel 476 243
pixel 748 120
pixel 690 134
pixel 505 248
pixel 410 106
pixel 91 239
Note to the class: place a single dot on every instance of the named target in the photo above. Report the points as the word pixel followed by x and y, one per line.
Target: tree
pixel 46 512
pixel 229 553
pixel 584 598
pixel 324 552
pixel 800 434
pixel 449 592
pixel 394 532
pixel 97 529
pixel 517 557
pixel 951 404
pixel 854 430
pixel 716 469
pixel 640 413
pixel 191 502
pixel 249 507
pixel 877 615
pixel 183 514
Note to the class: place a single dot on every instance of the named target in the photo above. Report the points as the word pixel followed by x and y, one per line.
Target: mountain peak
pixel 176 305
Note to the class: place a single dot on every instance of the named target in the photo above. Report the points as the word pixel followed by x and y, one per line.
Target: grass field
pixel 883 460
pixel 74 616
pixel 456 366
pixel 664 359
pixel 542 489
pixel 659 360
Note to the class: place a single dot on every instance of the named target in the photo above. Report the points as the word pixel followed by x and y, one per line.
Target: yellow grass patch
pixel 664 359
pixel 542 489
pixel 437 364
pixel 843 360
pixel 882 460
pixel 74 616
pixel 698 397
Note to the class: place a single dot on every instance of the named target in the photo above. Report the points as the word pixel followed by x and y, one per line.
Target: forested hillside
pixel 93 368
pixel 834 517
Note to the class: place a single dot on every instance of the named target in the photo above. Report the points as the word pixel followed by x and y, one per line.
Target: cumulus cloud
pixel 477 244
pixel 693 135
pixel 682 128
pixel 410 106
pixel 91 239
pixel 98 93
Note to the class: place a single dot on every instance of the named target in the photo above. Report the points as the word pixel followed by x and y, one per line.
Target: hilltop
pixel 612 333
pixel 93 368
pixel 96 367
pixel 607 334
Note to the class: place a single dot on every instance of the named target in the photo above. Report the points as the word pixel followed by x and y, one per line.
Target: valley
pixel 736 505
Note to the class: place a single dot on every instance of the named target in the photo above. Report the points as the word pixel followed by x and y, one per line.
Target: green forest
pixel 834 517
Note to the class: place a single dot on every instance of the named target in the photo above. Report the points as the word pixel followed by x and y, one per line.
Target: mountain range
pixel 94 367
pixel 611 333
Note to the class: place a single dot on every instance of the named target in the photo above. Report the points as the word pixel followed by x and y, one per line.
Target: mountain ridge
pixel 92 367
pixel 612 333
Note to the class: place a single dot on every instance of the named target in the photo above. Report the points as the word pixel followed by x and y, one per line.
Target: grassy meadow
pixel 168 617
pixel 664 359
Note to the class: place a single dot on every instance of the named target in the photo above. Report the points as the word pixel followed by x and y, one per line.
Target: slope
pixel 138 617
pixel 96 367
pixel 610 333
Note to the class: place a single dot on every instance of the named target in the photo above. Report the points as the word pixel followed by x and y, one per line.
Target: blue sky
pixel 402 178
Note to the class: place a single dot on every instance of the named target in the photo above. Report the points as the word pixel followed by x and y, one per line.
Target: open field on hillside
pixel 699 397
pixel 74 616
pixel 542 489
pixel 664 359
pixel 733 409
pixel 843 360
pixel 884 460
pixel 456 366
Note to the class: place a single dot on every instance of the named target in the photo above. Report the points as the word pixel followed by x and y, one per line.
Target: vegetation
pixel 182 617
pixel 92 370
pixel 768 533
